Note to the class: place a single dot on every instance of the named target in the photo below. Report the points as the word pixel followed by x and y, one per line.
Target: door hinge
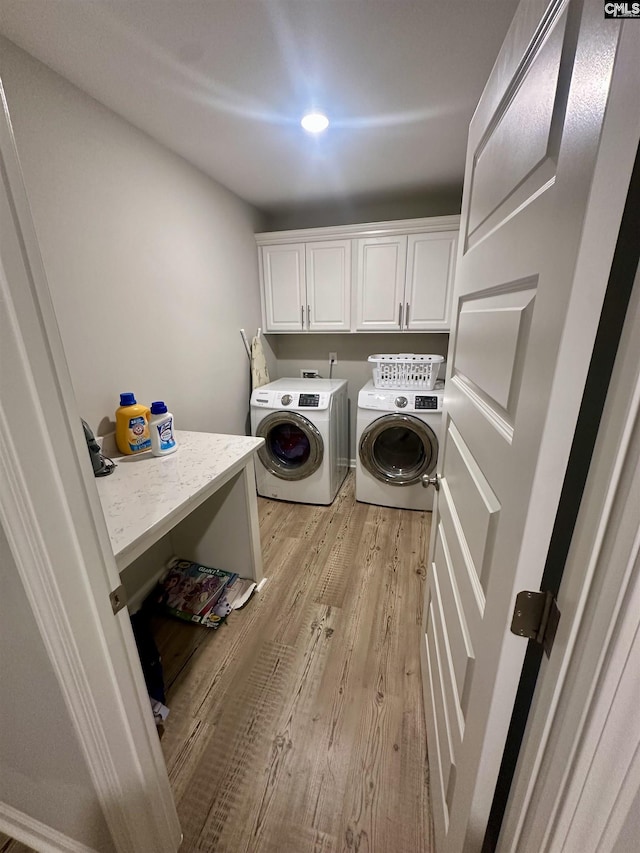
pixel 118 598
pixel 536 617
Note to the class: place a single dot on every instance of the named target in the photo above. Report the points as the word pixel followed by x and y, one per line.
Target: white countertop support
pixel 203 495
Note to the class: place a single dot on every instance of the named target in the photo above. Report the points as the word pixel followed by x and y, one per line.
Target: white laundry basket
pixel 406 370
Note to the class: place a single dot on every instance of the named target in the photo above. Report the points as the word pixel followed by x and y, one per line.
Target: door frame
pixel 578 725
pixel 50 510
pixel 578 696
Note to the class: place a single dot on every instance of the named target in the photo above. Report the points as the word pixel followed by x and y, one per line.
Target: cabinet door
pixel 328 273
pixel 381 272
pixel 283 287
pixel 430 270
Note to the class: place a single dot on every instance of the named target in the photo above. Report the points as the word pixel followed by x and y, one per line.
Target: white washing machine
pixel 304 423
pixel 397 442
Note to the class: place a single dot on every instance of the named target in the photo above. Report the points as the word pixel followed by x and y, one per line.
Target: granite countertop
pixel 147 495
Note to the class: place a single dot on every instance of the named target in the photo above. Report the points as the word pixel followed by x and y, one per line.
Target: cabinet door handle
pixel 400 315
pixel 406 317
pixel 308 316
pixel 302 316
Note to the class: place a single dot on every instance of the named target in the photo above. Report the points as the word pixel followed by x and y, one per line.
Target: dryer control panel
pixel 428 401
pixel 388 400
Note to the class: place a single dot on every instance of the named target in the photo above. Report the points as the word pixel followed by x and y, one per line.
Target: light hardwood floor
pixel 298 726
pixel 8 845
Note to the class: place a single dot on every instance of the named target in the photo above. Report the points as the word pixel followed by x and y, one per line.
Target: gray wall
pixel 42 770
pixel 152 266
pixel 294 352
pixel 444 201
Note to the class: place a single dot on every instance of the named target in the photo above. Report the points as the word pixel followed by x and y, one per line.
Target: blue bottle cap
pixel 158 408
pixel 127 399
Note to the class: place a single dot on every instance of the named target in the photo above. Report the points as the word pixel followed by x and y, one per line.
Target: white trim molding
pixel 578 773
pixel 51 514
pixel 45 839
pixel 367 229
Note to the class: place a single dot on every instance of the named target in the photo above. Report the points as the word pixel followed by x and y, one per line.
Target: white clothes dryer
pixel 304 423
pixel 397 442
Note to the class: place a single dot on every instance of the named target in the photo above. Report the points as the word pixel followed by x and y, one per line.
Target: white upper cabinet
pixel 405 282
pixel 380 288
pixel 283 291
pixel 328 268
pixel 431 262
pixel 384 276
pixel 307 287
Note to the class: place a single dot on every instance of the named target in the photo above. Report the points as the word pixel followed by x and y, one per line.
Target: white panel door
pixel 381 267
pixel 527 302
pixel 328 274
pixel 283 287
pixel 430 270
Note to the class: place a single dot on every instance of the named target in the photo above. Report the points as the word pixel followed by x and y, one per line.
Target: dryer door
pixel 293 447
pixel 398 449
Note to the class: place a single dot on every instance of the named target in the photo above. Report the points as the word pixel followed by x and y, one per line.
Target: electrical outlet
pixel 308 373
pixel 333 358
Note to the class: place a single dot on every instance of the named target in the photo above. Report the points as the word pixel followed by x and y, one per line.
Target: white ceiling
pixel 225 82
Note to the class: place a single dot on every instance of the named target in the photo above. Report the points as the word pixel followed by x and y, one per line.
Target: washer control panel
pixel 311 401
pixel 266 399
pixel 401 402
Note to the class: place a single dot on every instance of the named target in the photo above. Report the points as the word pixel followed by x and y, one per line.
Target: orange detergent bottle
pixel 132 425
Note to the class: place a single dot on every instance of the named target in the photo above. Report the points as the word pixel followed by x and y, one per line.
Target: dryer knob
pixel 286 399
pixel 401 402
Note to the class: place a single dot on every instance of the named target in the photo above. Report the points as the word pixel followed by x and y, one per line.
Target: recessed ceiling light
pixel 315 122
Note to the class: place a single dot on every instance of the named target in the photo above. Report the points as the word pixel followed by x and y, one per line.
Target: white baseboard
pixel 37 835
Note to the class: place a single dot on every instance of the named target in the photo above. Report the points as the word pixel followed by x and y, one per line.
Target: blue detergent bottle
pixel 163 440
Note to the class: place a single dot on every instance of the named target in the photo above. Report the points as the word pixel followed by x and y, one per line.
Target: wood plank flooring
pixel 8 845
pixel 297 727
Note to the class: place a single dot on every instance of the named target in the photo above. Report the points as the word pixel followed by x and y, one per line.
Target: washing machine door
pixel 398 449
pixel 293 447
